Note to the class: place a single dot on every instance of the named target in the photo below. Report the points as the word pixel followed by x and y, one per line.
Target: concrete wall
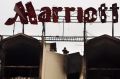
pixel 53 64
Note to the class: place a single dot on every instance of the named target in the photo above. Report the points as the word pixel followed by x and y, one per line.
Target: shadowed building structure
pixel 24 57
pixel 21 56
pixel 74 65
pixel 102 57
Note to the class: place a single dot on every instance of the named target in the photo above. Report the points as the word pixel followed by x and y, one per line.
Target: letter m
pixel 20 11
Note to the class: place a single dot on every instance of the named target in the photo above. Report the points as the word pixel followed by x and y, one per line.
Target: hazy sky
pixel 56 29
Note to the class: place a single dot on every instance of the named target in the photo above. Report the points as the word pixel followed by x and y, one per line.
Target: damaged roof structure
pixel 24 56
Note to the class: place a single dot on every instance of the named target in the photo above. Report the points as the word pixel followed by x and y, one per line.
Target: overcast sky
pixel 56 29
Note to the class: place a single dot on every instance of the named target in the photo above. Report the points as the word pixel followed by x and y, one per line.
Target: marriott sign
pixel 28 14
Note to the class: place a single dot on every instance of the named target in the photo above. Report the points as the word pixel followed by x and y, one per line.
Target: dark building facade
pixel 74 65
pixel 103 58
pixel 20 55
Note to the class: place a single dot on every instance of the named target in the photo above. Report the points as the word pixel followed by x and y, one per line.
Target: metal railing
pixel 59 38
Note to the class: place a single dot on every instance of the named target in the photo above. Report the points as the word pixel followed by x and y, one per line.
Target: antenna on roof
pixel 63 27
pixel 43 30
pixel 43 33
pixel 84 56
pixel 23 29
pixel 112 27
pixel 14 29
